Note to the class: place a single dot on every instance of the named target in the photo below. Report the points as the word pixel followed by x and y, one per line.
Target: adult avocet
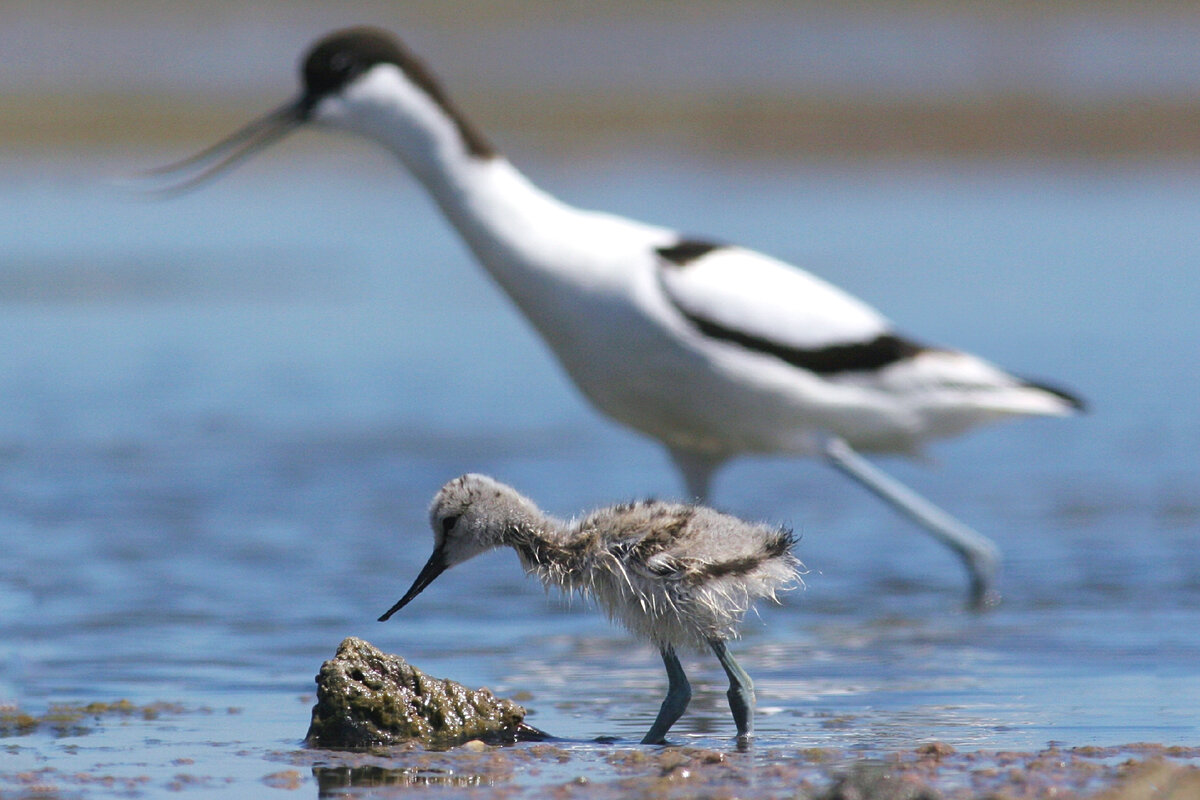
pixel 675 575
pixel 712 349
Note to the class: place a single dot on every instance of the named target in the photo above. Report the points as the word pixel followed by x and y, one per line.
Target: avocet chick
pixel 677 575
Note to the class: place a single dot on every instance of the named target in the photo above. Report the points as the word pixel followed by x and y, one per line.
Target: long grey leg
pixel 976 550
pixel 697 470
pixel 741 690
pixel 679 694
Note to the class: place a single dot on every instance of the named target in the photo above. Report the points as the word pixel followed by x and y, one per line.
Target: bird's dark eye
pixel 448 523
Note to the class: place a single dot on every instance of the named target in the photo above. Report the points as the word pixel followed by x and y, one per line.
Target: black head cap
pixel 342 56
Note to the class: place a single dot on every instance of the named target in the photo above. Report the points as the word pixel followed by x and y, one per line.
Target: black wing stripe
pixel 875 354
pixel 686 251
pixel 882 351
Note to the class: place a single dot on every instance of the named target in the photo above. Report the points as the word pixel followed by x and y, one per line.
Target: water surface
pixel 225 416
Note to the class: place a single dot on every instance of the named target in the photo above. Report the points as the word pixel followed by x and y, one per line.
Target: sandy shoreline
pixel 881 78
pixel 742 125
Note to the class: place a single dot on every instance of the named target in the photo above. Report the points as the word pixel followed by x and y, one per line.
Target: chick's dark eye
pixel 448 523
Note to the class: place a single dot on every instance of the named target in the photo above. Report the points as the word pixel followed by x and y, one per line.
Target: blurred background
pixel 224 414
pixel 837 80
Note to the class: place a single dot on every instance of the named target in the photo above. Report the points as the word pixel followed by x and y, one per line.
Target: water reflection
pixel 332 781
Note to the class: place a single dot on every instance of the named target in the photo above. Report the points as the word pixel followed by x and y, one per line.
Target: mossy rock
pixel 366 697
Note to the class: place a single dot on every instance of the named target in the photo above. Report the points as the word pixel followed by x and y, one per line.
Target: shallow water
pixel 225 416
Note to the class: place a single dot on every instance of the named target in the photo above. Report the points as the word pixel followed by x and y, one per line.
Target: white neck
pixel 498 212
pixel 553 260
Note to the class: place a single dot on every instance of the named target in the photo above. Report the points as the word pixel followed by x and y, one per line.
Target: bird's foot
pixel 983 594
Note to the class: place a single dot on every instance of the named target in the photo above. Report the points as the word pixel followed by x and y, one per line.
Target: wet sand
pixel 594 769
pixel 1130 772
pixel 928 771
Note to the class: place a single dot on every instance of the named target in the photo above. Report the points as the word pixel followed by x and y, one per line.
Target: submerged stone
pixel 868 780
pixel 366 697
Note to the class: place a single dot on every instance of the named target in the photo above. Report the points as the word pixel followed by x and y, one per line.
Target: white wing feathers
pixel 758 296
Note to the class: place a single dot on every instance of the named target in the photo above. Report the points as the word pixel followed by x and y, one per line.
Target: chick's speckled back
pixel 675 574
pixel 693 542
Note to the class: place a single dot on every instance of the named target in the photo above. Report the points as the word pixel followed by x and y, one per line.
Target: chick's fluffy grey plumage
pixel 675 574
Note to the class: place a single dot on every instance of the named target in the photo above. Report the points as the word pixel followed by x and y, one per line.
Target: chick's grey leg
pixel 741 690
pixel 679 694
